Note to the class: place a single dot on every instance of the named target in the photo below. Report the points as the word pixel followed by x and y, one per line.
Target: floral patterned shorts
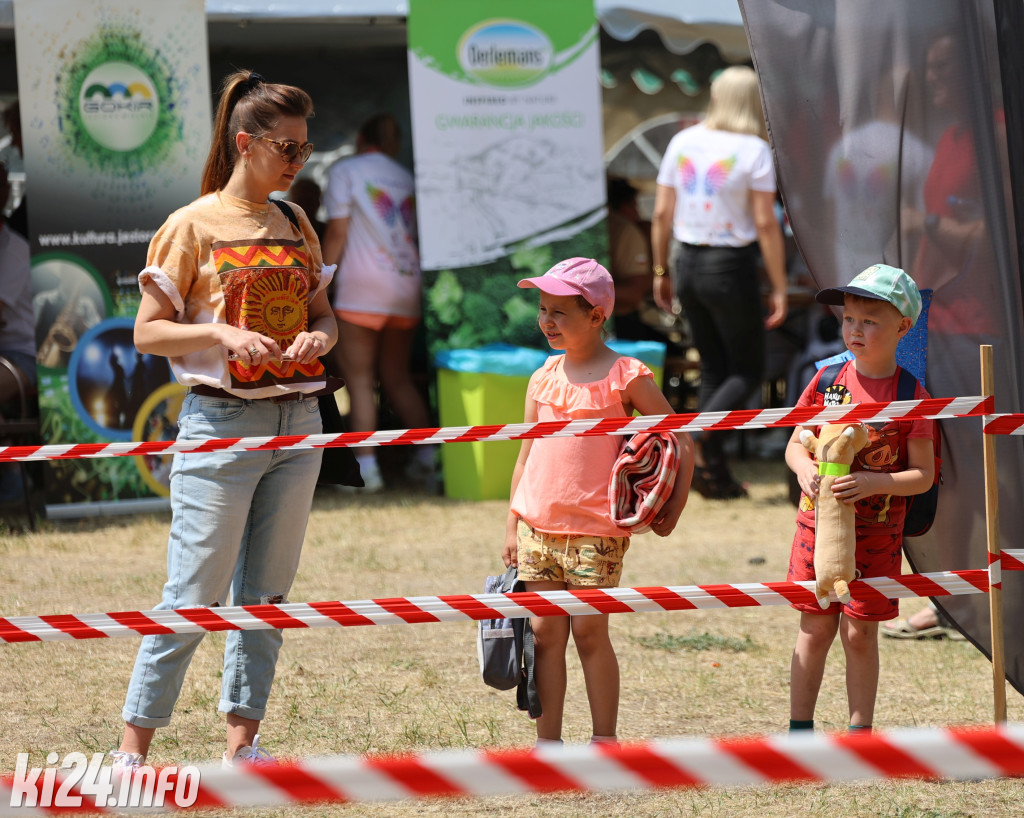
pixel 580 560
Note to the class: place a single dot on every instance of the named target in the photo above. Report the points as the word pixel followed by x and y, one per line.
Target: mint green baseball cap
pixel 882 282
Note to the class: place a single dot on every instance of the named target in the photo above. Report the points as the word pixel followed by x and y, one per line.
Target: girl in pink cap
pixel 559 529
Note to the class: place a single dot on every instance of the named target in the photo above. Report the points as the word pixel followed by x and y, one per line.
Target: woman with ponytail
pixel 234 294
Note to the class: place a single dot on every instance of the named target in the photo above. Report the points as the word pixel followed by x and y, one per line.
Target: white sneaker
pixel 372 480
pixel 125 763
pixel 246 755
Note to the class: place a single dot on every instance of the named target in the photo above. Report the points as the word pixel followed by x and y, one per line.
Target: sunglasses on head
pixel 290 150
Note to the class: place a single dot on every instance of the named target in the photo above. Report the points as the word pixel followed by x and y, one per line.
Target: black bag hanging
pixel 339 466
pixel 505 648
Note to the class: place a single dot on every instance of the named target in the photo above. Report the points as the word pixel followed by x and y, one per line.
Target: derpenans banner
pixel 890 138
pixel 115 116
pixel 506 125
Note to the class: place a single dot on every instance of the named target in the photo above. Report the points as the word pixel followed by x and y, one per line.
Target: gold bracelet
pixel 659 271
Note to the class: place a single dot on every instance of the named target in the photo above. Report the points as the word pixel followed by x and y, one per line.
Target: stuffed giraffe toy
pixel 835 536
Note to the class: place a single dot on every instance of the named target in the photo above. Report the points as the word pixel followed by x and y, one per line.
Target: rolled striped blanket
pixel 642 480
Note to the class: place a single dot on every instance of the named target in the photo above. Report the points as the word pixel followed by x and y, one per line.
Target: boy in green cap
pixel 880 305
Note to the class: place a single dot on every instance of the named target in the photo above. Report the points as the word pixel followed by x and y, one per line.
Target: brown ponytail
pixel 249 104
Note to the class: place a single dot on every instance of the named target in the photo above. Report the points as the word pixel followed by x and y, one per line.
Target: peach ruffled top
pixel 564 486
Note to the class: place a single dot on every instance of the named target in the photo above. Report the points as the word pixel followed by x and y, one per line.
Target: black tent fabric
pixel 892 135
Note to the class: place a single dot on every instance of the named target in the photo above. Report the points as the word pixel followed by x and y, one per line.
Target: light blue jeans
pixel 239 519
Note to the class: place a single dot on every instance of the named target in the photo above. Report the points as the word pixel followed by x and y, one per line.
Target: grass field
pixel 416 687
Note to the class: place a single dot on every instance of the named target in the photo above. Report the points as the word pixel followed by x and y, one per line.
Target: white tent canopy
pixel 647 87
pixel 682 24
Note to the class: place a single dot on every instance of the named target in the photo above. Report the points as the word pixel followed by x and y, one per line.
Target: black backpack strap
pixel 906 387
pixel 828 376
pixel 285 208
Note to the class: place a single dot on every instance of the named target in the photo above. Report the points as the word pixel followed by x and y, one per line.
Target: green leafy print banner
pixel 474 306
pixel 118 102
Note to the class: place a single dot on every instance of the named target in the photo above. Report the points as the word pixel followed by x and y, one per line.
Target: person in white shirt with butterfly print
pixel 716 198
pixel 371 235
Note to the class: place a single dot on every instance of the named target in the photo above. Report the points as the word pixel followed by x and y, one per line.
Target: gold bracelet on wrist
pixel 659 271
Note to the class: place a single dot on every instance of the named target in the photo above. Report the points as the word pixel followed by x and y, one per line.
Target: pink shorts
pixel 377 320
pixel 878 555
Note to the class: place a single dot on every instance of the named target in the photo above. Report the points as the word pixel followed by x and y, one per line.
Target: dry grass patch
pixel 414 688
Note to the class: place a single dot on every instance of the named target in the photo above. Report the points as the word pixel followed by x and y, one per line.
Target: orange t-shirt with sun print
pixel 226 260
pixel 884 452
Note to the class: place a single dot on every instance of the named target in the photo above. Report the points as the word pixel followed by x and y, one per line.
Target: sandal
pixel 902 629
pixel 702 480
pixel 731 490
pixel 713 485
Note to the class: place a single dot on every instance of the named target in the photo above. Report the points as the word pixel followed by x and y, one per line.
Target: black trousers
pixel 720 294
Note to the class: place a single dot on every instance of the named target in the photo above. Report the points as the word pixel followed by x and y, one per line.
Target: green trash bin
pixel 477 387
pixel 487 386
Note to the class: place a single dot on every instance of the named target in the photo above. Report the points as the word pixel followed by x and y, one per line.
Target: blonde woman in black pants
pixel 716 199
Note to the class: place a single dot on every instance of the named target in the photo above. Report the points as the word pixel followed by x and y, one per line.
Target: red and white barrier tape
pixel 1004 425
pixel 463 607
pixel 1011 559
pixel 968 754
pixel 745 419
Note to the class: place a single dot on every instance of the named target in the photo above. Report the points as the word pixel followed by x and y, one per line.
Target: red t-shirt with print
pixel 885 451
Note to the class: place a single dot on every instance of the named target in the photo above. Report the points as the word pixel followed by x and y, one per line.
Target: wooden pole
pixel 995 591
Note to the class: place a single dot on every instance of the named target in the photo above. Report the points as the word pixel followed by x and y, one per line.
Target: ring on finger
pixel 253 351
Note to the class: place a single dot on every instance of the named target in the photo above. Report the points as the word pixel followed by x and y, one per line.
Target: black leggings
pixel 721 298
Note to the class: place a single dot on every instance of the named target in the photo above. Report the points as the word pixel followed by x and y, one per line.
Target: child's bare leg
pixel 860 641
pixel 600 670
pixel 551 638
pixel 813 641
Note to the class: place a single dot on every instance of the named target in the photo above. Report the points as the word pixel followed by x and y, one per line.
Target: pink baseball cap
pixel 577 276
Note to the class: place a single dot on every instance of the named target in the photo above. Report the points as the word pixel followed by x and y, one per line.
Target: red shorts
pixel 878 555
pixel 377 320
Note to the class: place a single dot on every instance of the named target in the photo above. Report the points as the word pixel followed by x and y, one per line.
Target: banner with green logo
pixel 115 111
pixel 507 139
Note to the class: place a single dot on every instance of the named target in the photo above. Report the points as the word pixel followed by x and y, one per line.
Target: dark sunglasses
pixel 291 151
